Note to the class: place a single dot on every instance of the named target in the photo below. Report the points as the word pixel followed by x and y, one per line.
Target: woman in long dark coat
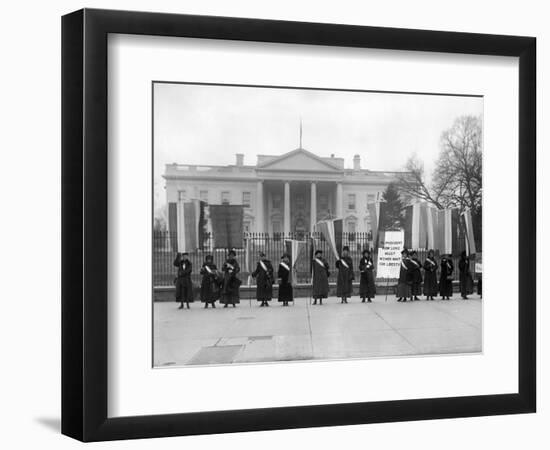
pixel 285 285
pixel 320 278
pixel 231 282
pixel 184 286
pixel 404 282
pixel 264 280
pixel 367 288
pixel 344 283
pixel 416 276
pixel 210 287
pixel 430 276
pixel 465 277
pixel 446 277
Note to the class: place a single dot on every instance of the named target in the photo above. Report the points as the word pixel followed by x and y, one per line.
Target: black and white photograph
pixel 300 224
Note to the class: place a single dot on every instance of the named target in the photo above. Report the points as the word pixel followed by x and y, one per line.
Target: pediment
pixel 299 160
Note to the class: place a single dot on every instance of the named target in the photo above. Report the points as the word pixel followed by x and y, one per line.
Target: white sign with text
pixel 389 254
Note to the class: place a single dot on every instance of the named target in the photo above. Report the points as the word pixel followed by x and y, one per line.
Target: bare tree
pixel 457 175
pixel 412 183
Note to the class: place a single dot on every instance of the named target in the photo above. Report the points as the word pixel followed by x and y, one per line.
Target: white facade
pixel 286 193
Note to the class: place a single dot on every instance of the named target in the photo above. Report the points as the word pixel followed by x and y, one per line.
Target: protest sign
pixel 389 254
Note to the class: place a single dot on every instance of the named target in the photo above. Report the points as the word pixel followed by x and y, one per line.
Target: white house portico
pixel 284 193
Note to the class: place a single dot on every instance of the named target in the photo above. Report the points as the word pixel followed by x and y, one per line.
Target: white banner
pixel 389 254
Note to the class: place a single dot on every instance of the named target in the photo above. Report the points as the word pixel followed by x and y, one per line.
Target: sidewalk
pixel 247 333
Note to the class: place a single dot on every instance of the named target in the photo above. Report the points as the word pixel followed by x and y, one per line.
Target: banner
pixel 374 209
pixel 296 250
pixel 331 230
pixel 227 225
pixel 469 232
pixel 431 225
pixel 191 225
pixel 389 254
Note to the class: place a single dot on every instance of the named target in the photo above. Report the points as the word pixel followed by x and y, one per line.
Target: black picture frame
pixel 84 224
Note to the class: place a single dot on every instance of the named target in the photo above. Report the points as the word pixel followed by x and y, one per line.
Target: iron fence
pixel 165 250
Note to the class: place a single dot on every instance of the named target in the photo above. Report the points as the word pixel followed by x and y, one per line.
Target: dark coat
pixel 210 285
pixel 344 283
pixel 430 277
pixel 320 278
pixel 367 288
pixel 416 276
pixel 231 282
pixel 446 278
pixel 465 277
pixel 285 286
pixel 184 285
pixel 264 281
pixel 405 278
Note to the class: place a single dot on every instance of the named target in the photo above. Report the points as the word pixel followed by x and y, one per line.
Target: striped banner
pixel 469 232
pixel 374 209
pixel 331 230
pixel 457 244
pixel 191 220
pixel 423 226
pixel 408 227
pixel 431 223
pixel 447 234
pixel 415 226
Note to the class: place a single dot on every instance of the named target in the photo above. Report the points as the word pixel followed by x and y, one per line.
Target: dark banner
pixel 173 225
pixel 227 225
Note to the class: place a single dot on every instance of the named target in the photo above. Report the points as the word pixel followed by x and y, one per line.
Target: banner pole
pixel 387 284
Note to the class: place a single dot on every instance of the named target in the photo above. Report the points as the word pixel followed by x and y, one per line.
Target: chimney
pixel 240 159
pixel 356 162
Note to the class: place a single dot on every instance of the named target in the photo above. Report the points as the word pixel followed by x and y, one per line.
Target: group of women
pixel 410 277
pixel 224 284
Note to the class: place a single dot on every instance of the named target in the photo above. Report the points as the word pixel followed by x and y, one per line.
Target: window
pixel 351 201
pixel 226 199
pixel 181 195
pixel 300 202
pixel 203 196
pixel 276 201
pixel 246 199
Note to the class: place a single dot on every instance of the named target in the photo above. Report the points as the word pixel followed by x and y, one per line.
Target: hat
pixel 285 255
pixel 317 252
pixel 405 251
pixel 231 252
pixel 366 251
pixel 208 257
pixel 345 249
pixel 262 254
pixel 184 253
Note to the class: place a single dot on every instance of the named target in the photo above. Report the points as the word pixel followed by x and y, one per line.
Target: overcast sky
pixel 196 124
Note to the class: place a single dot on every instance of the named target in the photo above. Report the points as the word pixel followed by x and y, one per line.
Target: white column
pixel 260 207
pixel 313 206
pixel 339 200
pixel 286 228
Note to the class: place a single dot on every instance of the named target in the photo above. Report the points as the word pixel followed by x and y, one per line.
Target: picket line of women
pixel 410 277
pixel 224 284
